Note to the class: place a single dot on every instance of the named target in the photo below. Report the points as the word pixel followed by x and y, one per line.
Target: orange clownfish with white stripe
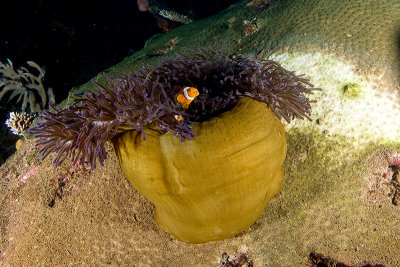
pixel 186 95
pixel 178 117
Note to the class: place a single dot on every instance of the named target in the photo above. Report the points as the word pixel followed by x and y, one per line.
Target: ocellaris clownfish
pixel 186 95
pixel 178 117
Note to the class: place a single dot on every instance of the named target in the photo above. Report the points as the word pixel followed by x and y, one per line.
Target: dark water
pixel 73 40
pixel 76 39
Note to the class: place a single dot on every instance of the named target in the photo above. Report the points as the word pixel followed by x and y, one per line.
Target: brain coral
pixel 364 32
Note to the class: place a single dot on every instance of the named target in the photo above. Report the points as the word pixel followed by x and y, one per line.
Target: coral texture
pixel 147 98
pixel 19 122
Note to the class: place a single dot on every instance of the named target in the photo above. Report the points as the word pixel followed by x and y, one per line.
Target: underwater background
pixel 75 40
pixel 339 202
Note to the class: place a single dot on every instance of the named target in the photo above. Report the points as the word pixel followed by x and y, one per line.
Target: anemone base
pixel 216 185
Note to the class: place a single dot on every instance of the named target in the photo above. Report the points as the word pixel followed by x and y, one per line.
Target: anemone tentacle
pixel 146 99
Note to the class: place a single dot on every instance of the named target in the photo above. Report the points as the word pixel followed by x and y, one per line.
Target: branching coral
pixel 25 84
pixel 19 122
pixel 146 99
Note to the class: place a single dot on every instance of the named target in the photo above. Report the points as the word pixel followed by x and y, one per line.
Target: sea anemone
pixel 218 183
pixel 146 99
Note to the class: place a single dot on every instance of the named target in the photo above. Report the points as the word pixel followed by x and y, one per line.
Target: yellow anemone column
pixel 216 185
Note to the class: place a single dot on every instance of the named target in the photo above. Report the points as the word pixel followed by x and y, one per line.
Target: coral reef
pixel 325 205
pixel 26 85
pixel 19 122
pixel 146 98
